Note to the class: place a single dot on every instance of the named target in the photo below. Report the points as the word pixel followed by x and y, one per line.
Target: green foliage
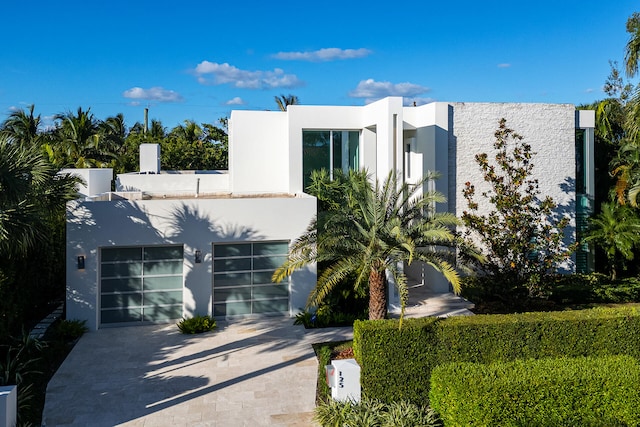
pixel 18 367
pixel 427 343
pixel 522 240
pixel 616 230
pixel 586 391
pixel 197 324
pixel 375 414
pixel 283 101
pixel 32 218
pixel 593 288
pixel 325 317
pixel 395 363
pixel 368 231
pixel 194 147
pixel 70 330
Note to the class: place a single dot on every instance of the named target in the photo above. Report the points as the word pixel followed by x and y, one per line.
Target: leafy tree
pixel 283 101
pixel 521 239
pixel 617 231
pixel 369 232
pixel 192 147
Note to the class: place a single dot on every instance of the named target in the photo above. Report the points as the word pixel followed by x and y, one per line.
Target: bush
pixel 397 363
pixel 197 324
pixel 374 413
pixel 325 317
pixel 598 391
pixel 69 330
pixel 593 288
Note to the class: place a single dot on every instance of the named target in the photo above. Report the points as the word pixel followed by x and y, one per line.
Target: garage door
pixel 141 284
pixel 242 279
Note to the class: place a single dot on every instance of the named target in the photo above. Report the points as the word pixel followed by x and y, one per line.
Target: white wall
pixel 170 183
pixel 96 180
pixel 259 152
pixel 195 223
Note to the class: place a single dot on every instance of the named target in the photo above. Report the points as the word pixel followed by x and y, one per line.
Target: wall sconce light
pixel 198 257
pixel 81 262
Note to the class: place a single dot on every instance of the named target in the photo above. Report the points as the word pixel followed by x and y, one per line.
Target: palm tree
pixel 617 231
pixel 30 191
pixel 78 141
pixel 632 49
pixel 22 127
pixel 284 101
pixel 190 132
pixel 374 230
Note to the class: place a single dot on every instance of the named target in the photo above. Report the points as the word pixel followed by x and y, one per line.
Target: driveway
pixel 246 373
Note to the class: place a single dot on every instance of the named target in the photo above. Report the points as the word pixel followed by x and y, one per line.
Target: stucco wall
pixel 195 223
pixel 549 128
pixel 259 152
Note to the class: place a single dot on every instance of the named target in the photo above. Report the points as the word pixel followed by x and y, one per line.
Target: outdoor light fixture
pixel 81 262
pixel 198 259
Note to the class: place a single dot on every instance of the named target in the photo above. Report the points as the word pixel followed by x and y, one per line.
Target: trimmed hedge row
pixel 397 364
pixel 586 391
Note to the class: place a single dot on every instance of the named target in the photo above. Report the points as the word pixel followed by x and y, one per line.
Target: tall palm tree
pixel 283 101
pixel 376 228
pixel 632 49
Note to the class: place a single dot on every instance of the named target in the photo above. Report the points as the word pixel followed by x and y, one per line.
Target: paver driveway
pixel 246 373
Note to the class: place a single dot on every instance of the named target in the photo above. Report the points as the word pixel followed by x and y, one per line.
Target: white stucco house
pixel 169 244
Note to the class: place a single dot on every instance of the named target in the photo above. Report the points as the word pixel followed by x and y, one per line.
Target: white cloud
pixel 504 65
pixel 155 93
pixel 235 101
pixel 590 90
pixel 373 90
pixel 322 55
pixel 217 74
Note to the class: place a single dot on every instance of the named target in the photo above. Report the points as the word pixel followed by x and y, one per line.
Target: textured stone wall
pixel 549 128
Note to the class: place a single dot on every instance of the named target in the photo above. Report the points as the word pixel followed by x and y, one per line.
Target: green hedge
pixel 587 391
pixel 397 364
pixel 388 357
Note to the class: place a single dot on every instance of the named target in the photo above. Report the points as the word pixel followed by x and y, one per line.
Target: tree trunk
pixel 377 295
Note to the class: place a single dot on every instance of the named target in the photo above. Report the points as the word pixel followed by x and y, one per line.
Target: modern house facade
pixel 170 244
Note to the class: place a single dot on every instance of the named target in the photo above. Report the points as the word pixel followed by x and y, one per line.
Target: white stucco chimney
pixel 149 158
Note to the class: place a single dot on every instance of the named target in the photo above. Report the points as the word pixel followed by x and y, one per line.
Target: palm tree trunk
pixel 377 294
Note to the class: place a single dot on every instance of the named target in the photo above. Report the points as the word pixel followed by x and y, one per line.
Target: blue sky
pixel 198 60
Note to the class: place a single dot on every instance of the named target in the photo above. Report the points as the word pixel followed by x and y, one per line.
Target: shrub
pixel 197 324
pixel 374 413
pixel 69 330
pixel 397 363
pixel 598 391
pixel 593 288
pixel 325 317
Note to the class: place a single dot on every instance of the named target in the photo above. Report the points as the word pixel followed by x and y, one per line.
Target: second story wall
pixel 258 152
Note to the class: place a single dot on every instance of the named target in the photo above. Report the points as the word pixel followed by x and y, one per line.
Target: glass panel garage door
pixel 242 278
pixel 141 284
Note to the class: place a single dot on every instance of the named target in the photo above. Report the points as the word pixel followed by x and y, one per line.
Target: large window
pixel 141 284
pixel 242 278
pixel 329 149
